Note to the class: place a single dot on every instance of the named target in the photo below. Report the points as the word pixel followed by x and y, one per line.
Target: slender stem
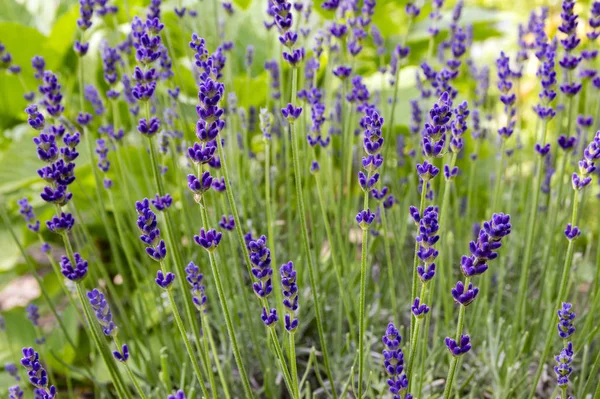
pixel 213 348
pixel 334 259
pixel 454 361
pixel 294 371
pixel 183 333
pixel 361 316
pixel 226 312
pixel 414 338
pixel 131 375
pixel 306 242
pixel 533 212
pixel 562 294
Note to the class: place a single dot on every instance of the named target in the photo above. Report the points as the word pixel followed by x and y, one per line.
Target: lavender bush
pixel 298 199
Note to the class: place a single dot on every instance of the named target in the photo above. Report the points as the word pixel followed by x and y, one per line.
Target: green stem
pixel 226 312
pixel 294 371
pixel 131 375
pixel 305 240
pixel 454 361
pixel 334 259
pixel 213 348
pixel 533 212
pixel 562 295
pixel 183 333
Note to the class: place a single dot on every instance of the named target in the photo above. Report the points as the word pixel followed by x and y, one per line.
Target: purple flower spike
pixel 579 183
pixel 314 167
pixel 123 355
pixel 227 223
pixel 15 392
pixel 427 171
pixel 342 72
pixel 162 203
pixel 367 183
pixel 164 281
pixel 208 240
pixel 450 174
pixel 290 295
pixel 202 153
pixel 414 214
pixel 566 143
pixel 542 150
pixel 102 310
pixel 26 210
pixel 148 129
pixel 291 113
pixel 563 368
pixel 80 49
pixel 260 257
pixel 200 186
pixel 419 310
pixel 364 218
pixel 47 150
pixel 269 318
pixel 426 272
pixel 34 118
pixel 372 162
pixel 33 314
pixel 572 232
pixel 84 118
pixel 12 370
pixel 565 321
pixel 458 348
pixel 74 273
pixel 498 227
pixel 464 296
pixel 179 394
pixel 37 374
pixel 470 266
pixel 294 57
pixel 60 224
pixel 394 362
pixel 159 252
pixel 180 12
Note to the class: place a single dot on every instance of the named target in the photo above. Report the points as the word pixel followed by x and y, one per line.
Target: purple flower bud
pixel 291 113
pixel 458 348
pixel 464 296
pixel 269 318
pixel 123 355
pixel 364 218
pixel 419 310
pixel 164 281
pixel 208 240
pixel 61 224
pixel 572 232
pixel 74 273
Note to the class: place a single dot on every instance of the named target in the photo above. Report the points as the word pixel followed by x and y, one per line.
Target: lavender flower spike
pixel 290 294
pixel 100 306
pixel 37 374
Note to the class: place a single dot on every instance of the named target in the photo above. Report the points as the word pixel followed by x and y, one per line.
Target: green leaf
pixel 23 43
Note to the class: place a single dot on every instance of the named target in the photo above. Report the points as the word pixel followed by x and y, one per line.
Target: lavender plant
pixel 252 143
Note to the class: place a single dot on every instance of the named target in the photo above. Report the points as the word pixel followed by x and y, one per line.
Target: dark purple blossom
pixel 458 348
